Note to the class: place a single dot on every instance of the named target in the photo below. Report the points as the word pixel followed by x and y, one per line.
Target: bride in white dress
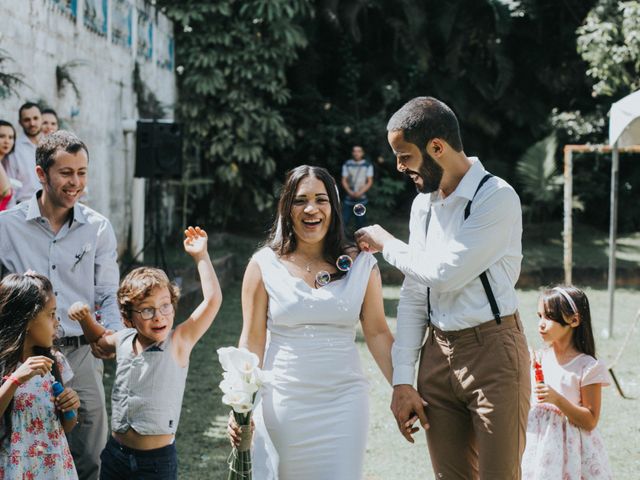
pixel 315 414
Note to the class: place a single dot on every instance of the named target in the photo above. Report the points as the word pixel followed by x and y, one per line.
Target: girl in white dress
pixel 312 421
pixel 562 442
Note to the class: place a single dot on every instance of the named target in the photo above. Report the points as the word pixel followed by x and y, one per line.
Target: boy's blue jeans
pixel 119 462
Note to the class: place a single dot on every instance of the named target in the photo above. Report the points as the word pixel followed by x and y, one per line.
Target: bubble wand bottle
pixel 537 368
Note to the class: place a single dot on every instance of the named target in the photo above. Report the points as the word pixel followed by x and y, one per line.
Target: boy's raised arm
pixel 192 329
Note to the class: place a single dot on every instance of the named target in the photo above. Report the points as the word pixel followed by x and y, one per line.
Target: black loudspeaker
pixel 158 149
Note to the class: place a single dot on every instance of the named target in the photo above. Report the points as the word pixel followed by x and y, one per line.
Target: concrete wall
pixel 105 38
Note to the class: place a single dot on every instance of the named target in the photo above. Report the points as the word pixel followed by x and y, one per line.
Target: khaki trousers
pixel 89 436
pixel 477 385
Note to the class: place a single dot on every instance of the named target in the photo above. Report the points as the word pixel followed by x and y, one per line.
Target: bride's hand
pixel 234 431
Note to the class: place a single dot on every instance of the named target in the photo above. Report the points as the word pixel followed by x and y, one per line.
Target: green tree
pixel 609 41
pixel 231 57
pixel 301 82
pixel 502 65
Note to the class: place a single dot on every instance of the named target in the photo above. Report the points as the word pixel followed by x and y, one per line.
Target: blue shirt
pixel 80 260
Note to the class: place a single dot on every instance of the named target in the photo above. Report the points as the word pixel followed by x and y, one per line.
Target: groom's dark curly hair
pixel 282 238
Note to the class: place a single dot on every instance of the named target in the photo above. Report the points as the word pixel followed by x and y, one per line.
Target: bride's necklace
pixel 307 266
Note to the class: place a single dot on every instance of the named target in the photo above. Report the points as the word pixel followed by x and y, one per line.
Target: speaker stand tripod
pixel 155 242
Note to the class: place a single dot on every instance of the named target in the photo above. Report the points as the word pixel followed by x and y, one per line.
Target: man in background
pixel 357 179
pixel 30 118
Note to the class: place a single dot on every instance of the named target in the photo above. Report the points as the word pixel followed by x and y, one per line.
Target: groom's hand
pixel 408 406
pixel 372 238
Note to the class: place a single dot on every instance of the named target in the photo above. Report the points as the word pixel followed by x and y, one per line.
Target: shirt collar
pixel 157 347
pixel 24 140
pixel 469 183
pixel 33 210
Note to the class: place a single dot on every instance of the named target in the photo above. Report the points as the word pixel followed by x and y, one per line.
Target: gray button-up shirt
pixel 80 260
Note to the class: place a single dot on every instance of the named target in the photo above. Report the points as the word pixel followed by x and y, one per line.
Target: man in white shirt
pixel 30 118
pixel 460 266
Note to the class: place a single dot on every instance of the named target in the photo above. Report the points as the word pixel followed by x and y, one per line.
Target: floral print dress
pixel 37 448
pixel 555 448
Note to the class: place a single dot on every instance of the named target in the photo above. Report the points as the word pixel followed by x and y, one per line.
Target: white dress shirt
pixel 451 258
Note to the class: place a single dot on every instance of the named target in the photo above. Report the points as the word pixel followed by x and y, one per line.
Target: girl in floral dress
pixel 562 443
pixel 33 444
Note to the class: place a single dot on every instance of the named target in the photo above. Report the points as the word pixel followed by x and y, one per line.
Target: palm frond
pixel 536 171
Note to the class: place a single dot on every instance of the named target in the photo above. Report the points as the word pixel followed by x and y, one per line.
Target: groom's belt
pixel 507 322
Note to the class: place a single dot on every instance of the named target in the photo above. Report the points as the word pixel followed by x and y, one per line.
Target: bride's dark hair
pixel 282 239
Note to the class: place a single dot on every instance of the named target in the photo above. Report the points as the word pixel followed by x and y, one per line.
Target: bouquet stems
pixel 240 458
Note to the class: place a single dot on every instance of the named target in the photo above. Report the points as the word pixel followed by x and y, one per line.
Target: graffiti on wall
pixel 121 19
pixel 95 15
pixel 69 7
pixel 154 36
pixel 145 36
pixel 164 47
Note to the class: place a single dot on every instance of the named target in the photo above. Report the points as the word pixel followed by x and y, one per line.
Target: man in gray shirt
pixel 75 247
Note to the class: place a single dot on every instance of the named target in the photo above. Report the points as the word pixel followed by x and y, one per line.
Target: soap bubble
pixel 59 330
pixel 359 210
pixel 344 263
pixel 323 278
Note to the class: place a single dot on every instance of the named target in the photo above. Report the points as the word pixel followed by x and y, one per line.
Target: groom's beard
pixel 429 173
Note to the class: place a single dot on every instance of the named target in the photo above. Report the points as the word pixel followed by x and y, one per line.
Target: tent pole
pixel 568 228
pixel 613 224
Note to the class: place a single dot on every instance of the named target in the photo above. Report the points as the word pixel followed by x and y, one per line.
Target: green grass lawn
pixel 203 448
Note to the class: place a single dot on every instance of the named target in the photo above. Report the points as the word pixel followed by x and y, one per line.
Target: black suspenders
pixel 483 275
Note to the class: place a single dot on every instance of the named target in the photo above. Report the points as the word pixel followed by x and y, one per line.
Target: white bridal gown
pixel 316 411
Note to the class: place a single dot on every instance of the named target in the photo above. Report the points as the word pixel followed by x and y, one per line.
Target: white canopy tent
pixel 624 136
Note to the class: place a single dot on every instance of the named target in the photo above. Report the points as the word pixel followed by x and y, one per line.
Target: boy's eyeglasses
pixel 150 312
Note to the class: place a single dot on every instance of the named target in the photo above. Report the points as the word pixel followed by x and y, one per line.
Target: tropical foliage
pixel 609 41
pixel 8 80
pixel 231 58
pixel 538 176
pixel 266 85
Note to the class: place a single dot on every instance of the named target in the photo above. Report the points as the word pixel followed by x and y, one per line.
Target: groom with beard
pixel 457 313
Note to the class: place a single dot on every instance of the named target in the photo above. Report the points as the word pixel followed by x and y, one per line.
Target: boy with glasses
pixel 152 364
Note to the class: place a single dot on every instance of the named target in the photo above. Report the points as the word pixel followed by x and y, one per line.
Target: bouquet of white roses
pixel 241 380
